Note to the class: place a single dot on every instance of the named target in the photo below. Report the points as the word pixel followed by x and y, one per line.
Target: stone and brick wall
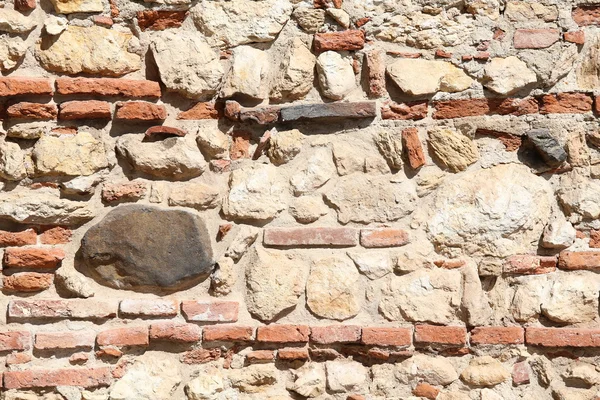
pixel 289 199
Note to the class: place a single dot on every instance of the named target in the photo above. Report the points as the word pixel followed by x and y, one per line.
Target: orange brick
pixel 318 236
pixel 27 281
pixel 140 111
pixel 15 340
pixel 283 334
pixel 497 335
pixel 579 260
pixel 130 336
pixel 226 333
pixel 293 353
pixel 64 340
pixel 175 332
pixel 56 235
pixel 335 334
pixel 35 378
pixel 32 257
pixel 210 311
pixel 562 337
pixel 21 238
pixel 433 334
pixel 387 336
pixel 259 356
pixel 383 237
pixel 107 87
pixel 20 85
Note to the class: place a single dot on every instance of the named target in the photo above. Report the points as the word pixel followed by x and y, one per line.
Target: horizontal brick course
pixel 27 281
pixel 140 111
pixel 15 340
pixel 497 335
pixel 529 264
pixel 130 336
pixel 579 260
pixel 335 334
pixel 64 340
pixel 445 335
pixel 383 237
pixel 376 336
pixel 566 103
pixel 59 309
pixel 21 85
pixel 108 87
pixel 293 354
pixel 404 111
pixel 562 337
pixel 585 15
pixel 22 238
pixel 303 112
pixel 175 332
pixel 21 257
pixel 88 109
pixel 35 378
pixel 28 110
pixel 283 334
pixel 210 311
pixel 321 236
pixel 339 41
pixel 227 333
pixel 148 308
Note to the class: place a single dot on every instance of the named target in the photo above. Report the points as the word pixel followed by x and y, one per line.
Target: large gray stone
pixel 141 247
pixel 548 147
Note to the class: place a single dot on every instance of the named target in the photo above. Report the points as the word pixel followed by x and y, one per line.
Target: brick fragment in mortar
pixel 547 146
pixel 177 249
pixel 365 109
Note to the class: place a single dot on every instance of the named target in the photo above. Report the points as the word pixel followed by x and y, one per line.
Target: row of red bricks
pixel 398 337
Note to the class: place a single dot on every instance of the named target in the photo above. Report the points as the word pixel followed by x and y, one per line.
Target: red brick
pixel 577 37
pixel 88 109
pixel 103 20
pixel 140 111
pixel 232 110
pixel 520 373
pixel 130 336
pixel 425 390
pixel 432 334
pixel 404 111
pixel 587 15
pixel 227 333
pixel 20 85
pixel 327 3
pixel 39 378
pixel 57 309
pixel 155 20
pixel 387 336
pixel 339 41
pixel 15 340
pixel 497 335
pixel 200 356
pixel 19 257
pixel 27 282
pixel 22 238
pixel 518 107
pixel 566 103
pixel 79 358
pixel 283 334
pixel 293 354
pixel 108 87
pixel 64 340
pixel 27 110
pixel 109 352
pixel 162 130
pixel 439 53
pixel 535 38
pixel 594 239
pixel 148 308
pixel 318 236
pixel 413 147
pixel 25 5
pixel 449 263
pixel 175 332
pixel 526 264
pixel 579 260
pixel 207 110
pixel 240 145
pixel 448 109
pixel 56 235
pixel 258 356
pixel 562 337
pixel 510 142
pixel 210 311
pixel 335 334
pixel 375 61
pixel 18 358
pixel 383 237
pixel 130 191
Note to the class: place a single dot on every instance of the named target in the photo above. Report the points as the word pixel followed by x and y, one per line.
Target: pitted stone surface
pixel 141 247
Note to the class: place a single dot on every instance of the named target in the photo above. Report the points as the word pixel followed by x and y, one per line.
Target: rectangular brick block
pixel 18 257
pixel 210 311
pixel 28 110
pixel 203 110
pixel 39 378
pixel 175 332
pixel 497 335
pixel 56 235
pixel 535 38
pixel 20 85
pixel 383 237
pixel 335 334
pixel 140 111
pixel 447 335
pixel 130 336
pixel 64 340
pixel 293 354
pixel 586 15
pixel 27 281
pixel 566 103
pixel 22 238
pixel 260 356
pixel 159 20
pixel 579 260
pixel 15 340
pixel 339 41
pixel 562 337
pixel 413 148
pixel 376 336
pixel 88 109
pixel 148 308
pixel 227 333
pixel 108 87
pixel 60 309
pixel 302 112
pixel 449 109
pixel 320 236
pixel 526 264
pixel 404 111
pixel 283 334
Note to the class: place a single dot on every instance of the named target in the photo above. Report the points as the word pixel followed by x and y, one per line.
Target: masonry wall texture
pixel 290 199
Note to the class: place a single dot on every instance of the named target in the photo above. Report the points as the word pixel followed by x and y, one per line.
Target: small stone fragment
pixel 454 150
pixel 373 265
pixel 390 146
pixel 55 25
pixel 345 376
pixel 284 146
pixel 12 21
pixel 558 234
pixel 318 169
pixel 307 209
pixel 77 6
pixel 12 161
pixel 296 72
pixel 309 19
pixel 73 284
pixel 309 380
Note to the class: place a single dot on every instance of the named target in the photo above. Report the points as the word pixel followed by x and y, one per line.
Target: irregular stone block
pixel 366 109
pixel 547 146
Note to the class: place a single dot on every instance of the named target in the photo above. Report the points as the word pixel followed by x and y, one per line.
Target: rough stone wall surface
pixel 289 199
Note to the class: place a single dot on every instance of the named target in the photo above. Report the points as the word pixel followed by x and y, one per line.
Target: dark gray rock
pixel 146 247
pixel 364 109
pixel 547 146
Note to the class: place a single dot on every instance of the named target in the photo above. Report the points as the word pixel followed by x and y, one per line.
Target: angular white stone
pixel 345 376
pixel 433 370
pixel 317 170
pixel 77 6
pixel 12 21
pixel 295 72
pixel 374 265
pixel 336 75
pixel 42 208
pixel 558 234
pixel 12 51
pixel 12 165
pixel 309 380
pixel 55 25
pixel 424 77
pixel 248 73
pixel 507 75
pixel 573 298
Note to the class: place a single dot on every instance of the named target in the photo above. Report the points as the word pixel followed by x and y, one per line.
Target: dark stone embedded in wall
pixel 142 247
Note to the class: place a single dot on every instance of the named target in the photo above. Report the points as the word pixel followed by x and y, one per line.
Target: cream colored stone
pixel 274 282
pixel 195 195
pixel 508 75
pixel 474 301
pixel 244 238
pixel 572 299
pixel 307 209
pixel 314 173
pixel 425 77
pixel 69 155
pixel 340 16
pixel 583 372
pixel 374 265
pixel 309 380
pixel 521 11
pixel 186 63
pixel 12 51
pixel 453 149
pixel 433 370
pixel 206 386
pixel 332 289
pixel 12 21
pixel 77 6
pixel 91 50
pixel 348 157
pixel 529 294
pixel 390 146
pixel 336 76
pixel 284 146
pixel 310 19
pixel 558 234
pixel 43 208
pixel 213 142
pixel 255 378
pixel 55 25
pixel 484 371
pixel 12 166
pixel 33 130
pixel 223 279
pixel 345 376
pixel 248 73
pixel 422 296
pixel 486 8
pixel 578 196
pixel 295 72
pixel 236 22
pixel 256 192
pixel 73 283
